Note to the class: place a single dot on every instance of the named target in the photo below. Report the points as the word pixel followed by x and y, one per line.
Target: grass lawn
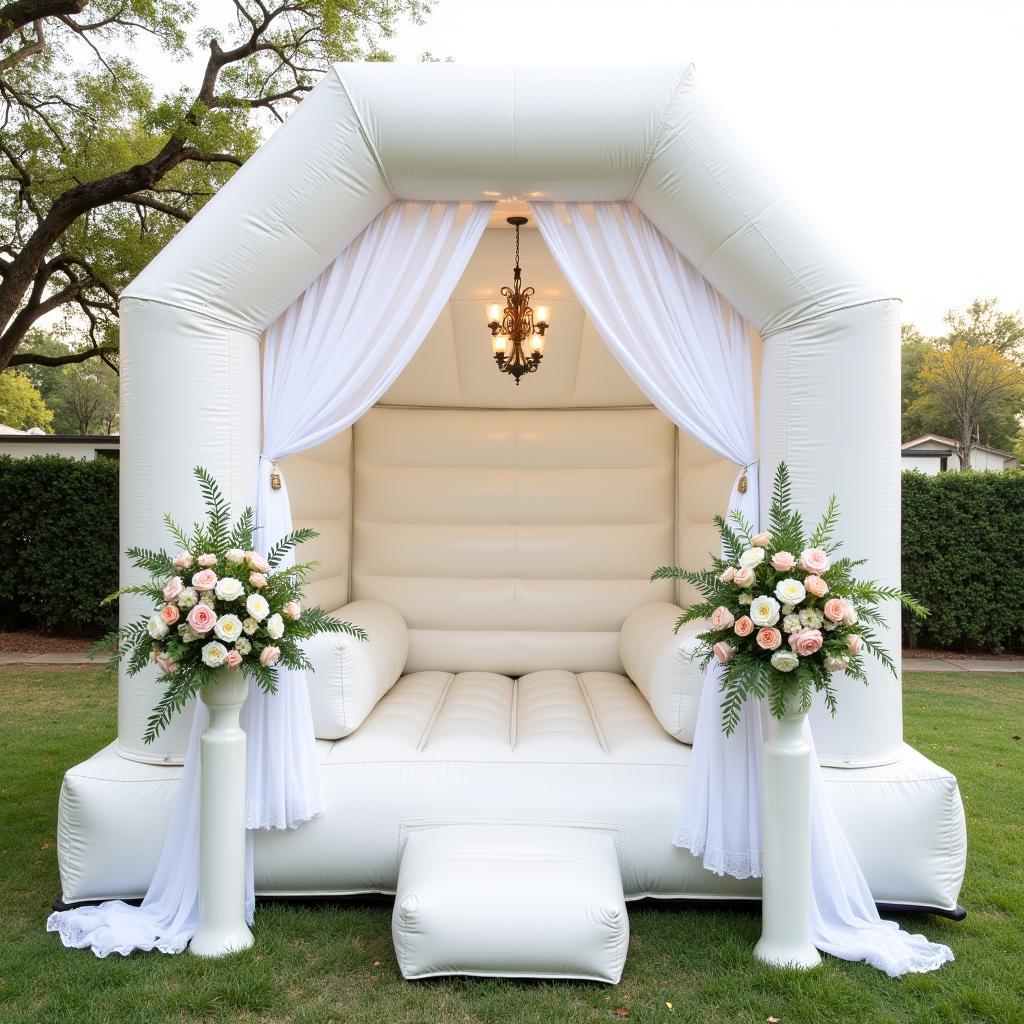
pixel 312 965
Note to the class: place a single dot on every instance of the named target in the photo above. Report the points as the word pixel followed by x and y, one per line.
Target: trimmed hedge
pixel 58 544
pixel 962 559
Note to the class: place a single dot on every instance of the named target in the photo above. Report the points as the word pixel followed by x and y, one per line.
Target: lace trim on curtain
pixel 745 864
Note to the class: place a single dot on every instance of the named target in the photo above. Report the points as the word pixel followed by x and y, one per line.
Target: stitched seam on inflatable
pixel 685 75
pixel 513 717
pixel 366 135
pixel 831 311
pixel 438 705
pixel 585 694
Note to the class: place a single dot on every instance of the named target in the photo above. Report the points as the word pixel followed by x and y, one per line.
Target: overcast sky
pixel 900 122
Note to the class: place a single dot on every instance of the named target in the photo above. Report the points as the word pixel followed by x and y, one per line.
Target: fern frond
pixel 285 544
pixel 218 511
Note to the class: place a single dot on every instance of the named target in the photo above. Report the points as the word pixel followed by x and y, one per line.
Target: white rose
pixel 275 627
pixel 234 555
pixel 214 654
pixel 751 557
pixel 242 645
pixel 156 627
pixel 790 591
pixel 849 613
pixel 785 661
pixel 764 611
pixel 791 622
pixel 744 599
pixel 256 605
pixel 188 598
pixel 228 627
pixel 229 589
pixel 836 664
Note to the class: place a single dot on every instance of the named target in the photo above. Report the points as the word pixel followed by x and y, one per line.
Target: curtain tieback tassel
pixel 275 477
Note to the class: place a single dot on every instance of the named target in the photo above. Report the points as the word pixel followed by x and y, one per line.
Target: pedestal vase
pixel 786 883
pixel 222 925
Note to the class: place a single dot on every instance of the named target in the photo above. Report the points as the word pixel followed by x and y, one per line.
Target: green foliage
pixel 962 556
pixel 58 543
pixel 21 405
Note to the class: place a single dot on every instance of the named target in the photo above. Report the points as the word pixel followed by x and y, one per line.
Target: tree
pixel 21 405
pixel 967 384
pixel 983 323
pixel 98 172
pixel 90 395
pixel 917 417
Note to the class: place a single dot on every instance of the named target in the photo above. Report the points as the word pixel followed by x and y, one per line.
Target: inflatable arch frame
pixel 368 134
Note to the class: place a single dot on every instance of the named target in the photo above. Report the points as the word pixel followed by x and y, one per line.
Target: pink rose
pixel 204 580
pixel 173 588
pixel 292 609
pixel 722 618
pixel 166 663
pixel 744 577
pixel 257 562
pixel 805 641
pixel 257 579
pixel 233 659
pixel 269 656
pixel 816 585
pixel 170 614
pixel 769 638
pixel 834 610
pixel 854 642
pixel 762 539
pixel 183 560
pixel 783 561
pixel 202 618
pixel 728 576
pixel 744 626
pixel 207 560
pixel 723 652
pixel 813 560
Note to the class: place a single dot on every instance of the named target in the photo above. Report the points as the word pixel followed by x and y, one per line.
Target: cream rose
pixel 204 580
pixel 744 626
pixel 275 627
pixel 156 627
pixel 235 556
pixel 729 575
pixel 836 664
pixel 762 539
pixel 790 591
pixel 816 585
pixel 769 638
pixel 751 557
pixel 806 642
pixel 785 661
pixel 206 560
pixel 292 609
pixel 722 618
pixel 202 618
pixel 257 607
pixel 257 579
pixel 214 654
pixel 724 652
pixel 228 628
pixel 183 560
pixel 783 561
pixel 744 577
pixel 813 560
pixel 764 611
pixel 850 617
pixel 228 588
pixel 269 656
pixel 173 588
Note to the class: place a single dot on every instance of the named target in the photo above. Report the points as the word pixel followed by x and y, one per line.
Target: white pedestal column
pixel 222 926
pixel 786 886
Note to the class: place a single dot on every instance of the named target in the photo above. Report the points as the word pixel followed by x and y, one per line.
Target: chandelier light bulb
pixel 500 343
pixel 493 313
pixel 543 314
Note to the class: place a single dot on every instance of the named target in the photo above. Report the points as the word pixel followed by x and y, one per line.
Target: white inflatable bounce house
pixel 497 540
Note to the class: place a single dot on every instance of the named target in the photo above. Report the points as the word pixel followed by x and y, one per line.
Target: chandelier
pixel 517 334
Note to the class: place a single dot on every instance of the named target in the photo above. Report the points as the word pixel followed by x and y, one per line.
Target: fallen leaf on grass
pixel 771 1020
pixel 620 1013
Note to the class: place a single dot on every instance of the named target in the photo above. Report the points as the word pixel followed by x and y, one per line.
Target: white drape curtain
pixel 326 361
pixel 689 352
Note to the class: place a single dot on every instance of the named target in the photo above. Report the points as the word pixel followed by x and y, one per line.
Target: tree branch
pixel 27 50
pixel 37 359
pixel 16 15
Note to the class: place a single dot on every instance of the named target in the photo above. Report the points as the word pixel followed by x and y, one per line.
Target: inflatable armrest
pixel 350 675
pixel 660 663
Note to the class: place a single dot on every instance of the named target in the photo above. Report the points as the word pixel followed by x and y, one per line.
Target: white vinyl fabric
pixel 497 900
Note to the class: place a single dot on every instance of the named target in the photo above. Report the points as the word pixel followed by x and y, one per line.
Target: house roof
pixel 952 444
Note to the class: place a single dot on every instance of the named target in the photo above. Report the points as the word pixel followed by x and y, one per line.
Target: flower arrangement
pixel 218 604
pixel 786 615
